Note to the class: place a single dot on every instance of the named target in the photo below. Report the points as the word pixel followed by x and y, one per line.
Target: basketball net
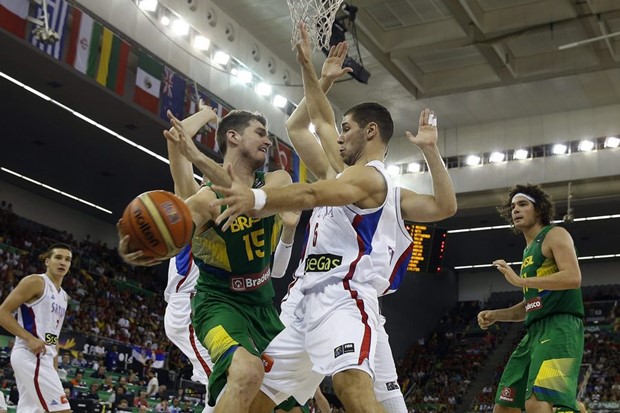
pixel 318 15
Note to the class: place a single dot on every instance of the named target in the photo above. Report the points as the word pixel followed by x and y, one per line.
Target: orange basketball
pixel 158 223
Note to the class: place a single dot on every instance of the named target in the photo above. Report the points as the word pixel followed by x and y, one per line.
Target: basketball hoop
pixel 318 15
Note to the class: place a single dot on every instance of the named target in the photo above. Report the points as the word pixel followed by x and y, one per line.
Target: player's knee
pixel 534 405
pixel 246 371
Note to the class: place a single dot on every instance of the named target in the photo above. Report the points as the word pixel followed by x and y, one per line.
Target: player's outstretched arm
pixel 319 108
pixel 442 204
pixel 322 160
pixel 516 313
pixel 358 184
pixel 182 139
pixel 282 256
pixel 28 289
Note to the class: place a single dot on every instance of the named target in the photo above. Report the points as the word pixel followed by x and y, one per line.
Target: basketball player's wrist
pixel 260 199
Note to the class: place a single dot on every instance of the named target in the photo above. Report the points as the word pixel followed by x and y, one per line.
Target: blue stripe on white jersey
pixel 184 261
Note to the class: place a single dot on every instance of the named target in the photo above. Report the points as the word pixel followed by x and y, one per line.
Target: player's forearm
pixel 212 170
pixel 443 189
pixel 281 258
pixel 561 280
pixel 193 123
pixel 299 118
pixel 319 108
pixel 515 313
pixel 182 173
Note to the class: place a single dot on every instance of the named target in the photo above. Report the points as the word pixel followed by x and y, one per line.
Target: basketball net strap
pixel 318 15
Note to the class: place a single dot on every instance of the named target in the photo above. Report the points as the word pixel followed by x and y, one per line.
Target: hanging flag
pixel 148 83
pixel 300 173
pixel 84 42
pixel 113 62
pixel 13 15
pixel 285 156
pixel 172 93
pixel 57 11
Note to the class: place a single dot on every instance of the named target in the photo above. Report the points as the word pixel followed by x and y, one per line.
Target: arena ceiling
pixel 472 61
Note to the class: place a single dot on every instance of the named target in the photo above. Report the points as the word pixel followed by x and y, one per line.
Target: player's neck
pixel 57 280
pixel 531 232
pixel 241 168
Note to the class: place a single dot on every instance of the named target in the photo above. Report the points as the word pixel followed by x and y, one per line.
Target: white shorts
pixel 290 301
pixel 3 406
pixel 386 379
pixel 177 323
pixel 337 333
pixel 39 386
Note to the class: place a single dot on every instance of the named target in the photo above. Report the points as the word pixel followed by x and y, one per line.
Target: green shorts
pixel 546 363
pixel 223 325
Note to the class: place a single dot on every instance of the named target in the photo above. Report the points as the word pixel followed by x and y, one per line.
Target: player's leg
pixel 387 390
pixel 245 375
pixel 510 396
pixel 556 360
pixel 342 341
pixel 321 402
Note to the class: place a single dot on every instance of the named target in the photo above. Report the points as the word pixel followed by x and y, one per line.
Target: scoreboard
pixel 429 244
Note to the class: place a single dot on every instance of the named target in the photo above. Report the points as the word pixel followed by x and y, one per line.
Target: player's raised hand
pixel 427 130
pixel 304 49
pixel 132 257
pixel 332 67
pixel 212 115
pixel 509 273
pixel 181 140
pixel 238 198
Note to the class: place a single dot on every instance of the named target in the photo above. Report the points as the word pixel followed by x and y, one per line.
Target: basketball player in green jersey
pixel 233 311
pixel 543 370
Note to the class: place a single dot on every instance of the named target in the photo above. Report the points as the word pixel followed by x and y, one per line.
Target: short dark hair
pixel 236 120
pixel 543 205
pixel 58 245
pixel 368 112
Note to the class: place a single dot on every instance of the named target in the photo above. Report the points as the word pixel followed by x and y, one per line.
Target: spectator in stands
pixel 162 406
pixel 123 406
pixel 100 373
pixel 64 362
pixel 98 349
pixel 80 362
pixel 162 392
pixel 141 400
pixel 552 308
pixel 92 392
pixel 108 384
pixel 111 359
pixel 176 406
pixel 153 384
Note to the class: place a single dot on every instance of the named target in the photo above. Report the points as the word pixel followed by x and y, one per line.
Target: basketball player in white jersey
pixel 323 164
pixel 40 303
pixel 348 255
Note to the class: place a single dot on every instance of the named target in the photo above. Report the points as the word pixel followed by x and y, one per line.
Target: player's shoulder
pixel 277 178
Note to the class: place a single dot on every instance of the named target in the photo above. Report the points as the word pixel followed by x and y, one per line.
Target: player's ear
pixel 371 130
pixel 232 137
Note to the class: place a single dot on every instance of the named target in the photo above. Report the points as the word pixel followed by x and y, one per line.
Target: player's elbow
pixel 574 282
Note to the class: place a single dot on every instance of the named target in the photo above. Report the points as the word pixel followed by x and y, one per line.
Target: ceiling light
pixel 520 154
pixel 164 20
pixel 279 101
pixel 414 167
pixel 201 42
pixel 559 149
pixel 148 5
pixel 221 58
pixel 263 89
pixel 393 170
pixel 472 160
pixel 244 76
pixel 180 27
pixel 612 142
pixel 585 146
pixel 497 157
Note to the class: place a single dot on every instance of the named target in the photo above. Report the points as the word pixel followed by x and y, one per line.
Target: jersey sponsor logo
pixel 392 385
pixel 533 305
pixel 343 349
pixel 507 394
pixel 322 262
pixel 242 223
pixel 51 339
pixel 267 362
pixel 250 282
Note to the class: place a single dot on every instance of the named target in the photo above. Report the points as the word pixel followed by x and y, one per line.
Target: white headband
pixel 529 198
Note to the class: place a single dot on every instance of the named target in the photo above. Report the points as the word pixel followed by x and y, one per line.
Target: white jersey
pixel 403 246
pixel 352 243
pixel 182 274
pixel 44 317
